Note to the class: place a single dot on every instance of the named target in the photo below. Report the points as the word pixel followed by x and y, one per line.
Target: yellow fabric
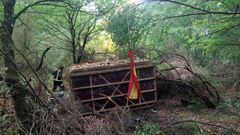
pixel 134 93
pixel 134 71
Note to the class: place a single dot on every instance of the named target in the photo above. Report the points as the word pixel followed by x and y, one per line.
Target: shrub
pixel 146 129
pixel 190 129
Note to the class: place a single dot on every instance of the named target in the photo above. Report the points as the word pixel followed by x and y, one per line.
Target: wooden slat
pixel 109 84
pixel 148 104
pixel 114 96
pixel 109 70
pixel 85 67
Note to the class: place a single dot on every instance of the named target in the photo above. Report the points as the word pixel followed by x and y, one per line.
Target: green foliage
pixel 191 128
pixel 226 132
pixel 125 27
pixel 236 101
pixel 163 66
pixel 206 38
pixel 224 105
pixel 216 40
pixel 1 12
pixel 148 129
pixel 230 104
pixel 6 120
pixel 196 107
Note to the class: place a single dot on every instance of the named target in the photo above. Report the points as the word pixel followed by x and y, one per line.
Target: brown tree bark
pixel 17 89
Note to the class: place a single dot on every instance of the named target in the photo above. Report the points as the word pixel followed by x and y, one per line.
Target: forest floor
pixel 169 117
pixel 174 118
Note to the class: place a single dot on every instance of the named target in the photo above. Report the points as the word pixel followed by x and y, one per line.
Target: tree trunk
pixel 17 89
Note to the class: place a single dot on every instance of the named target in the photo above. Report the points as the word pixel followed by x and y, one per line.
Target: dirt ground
pixel 174 118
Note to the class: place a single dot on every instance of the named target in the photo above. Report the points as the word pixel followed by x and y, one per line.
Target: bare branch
pixel 32 5
pixel 41 61
pixel 197 8
pixel 53 26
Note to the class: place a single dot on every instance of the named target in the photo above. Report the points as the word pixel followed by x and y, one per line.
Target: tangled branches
pixel 175 75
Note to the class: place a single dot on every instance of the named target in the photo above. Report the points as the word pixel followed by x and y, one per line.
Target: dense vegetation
pixel 38 35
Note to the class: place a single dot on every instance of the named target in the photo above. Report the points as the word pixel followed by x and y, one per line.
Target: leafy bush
pixel 236 101
pixel 146 129
pixel 190 129
pixel 224 105
pixel 196 107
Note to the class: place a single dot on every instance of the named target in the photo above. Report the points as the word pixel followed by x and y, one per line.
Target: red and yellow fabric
pixel 133 88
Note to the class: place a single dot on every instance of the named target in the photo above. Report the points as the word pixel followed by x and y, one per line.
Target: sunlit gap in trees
pixel 90 7
pixel 136 1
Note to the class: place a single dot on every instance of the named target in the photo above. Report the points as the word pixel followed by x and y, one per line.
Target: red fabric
pixel 133 79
